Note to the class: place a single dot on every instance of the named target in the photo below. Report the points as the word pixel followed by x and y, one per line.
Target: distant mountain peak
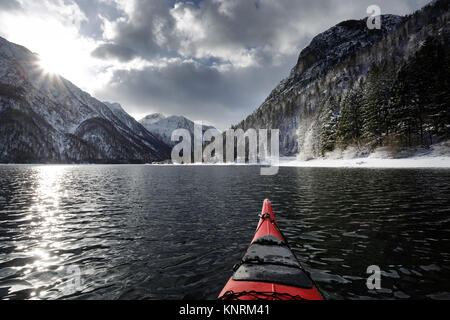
pixel 153 118
pixel 163 126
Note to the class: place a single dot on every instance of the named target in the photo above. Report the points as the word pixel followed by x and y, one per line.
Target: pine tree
pixel 350 123
pixel 420 99
pixel 330 121
pixel 375 112
pixel 438 110
pixel 371 110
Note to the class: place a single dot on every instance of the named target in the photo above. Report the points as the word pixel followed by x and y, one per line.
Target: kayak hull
pixel 265 260
pixel 264 291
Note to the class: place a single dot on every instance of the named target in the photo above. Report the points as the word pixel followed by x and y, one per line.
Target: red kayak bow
pixel 269 269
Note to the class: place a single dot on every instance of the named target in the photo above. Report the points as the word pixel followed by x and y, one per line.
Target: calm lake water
pixel 144 232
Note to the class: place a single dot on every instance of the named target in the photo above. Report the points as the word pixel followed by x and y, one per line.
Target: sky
pixel 209 60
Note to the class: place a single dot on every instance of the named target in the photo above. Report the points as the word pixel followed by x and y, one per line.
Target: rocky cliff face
pixel 336 62
pixel 46 119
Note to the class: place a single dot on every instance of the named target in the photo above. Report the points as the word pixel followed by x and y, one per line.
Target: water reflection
pixel 142 232
pixel 46 225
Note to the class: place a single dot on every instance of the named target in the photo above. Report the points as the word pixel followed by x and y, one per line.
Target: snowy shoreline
pixel 375 163
pixel 415 162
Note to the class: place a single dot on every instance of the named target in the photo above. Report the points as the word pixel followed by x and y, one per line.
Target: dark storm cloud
pixel 110 51
pixel 195 90
pixel 232 25
pixel 94 12
pixel 148 31
pixel 237 25
pixel 254 44
pixel 9 5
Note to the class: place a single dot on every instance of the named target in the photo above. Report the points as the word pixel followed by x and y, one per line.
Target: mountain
pixel 152 119
pixel 46 119
pixel 162 127
pixel 341 92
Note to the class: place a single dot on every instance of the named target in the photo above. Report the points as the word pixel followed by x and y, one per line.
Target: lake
pixel 165 232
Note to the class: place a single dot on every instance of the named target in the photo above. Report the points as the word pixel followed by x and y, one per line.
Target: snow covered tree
pixel 330 122
pixel 350 124
pixel 375 112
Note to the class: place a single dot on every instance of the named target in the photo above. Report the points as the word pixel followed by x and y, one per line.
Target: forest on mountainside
pixel 403 107
pixel 364 89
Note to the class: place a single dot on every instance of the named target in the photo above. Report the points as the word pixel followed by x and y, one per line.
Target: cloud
pixel 211 59
pixel 146 29
pixel 96 13
pixel 110 51
pixel 9 5
pixel 240 32
pixel 222 97
pixel 51 28
pixel 229 54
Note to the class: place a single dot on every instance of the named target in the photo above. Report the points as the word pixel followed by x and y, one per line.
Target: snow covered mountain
pixel 152 119
pixel 45 118
pixel 162 127
pixel 313 73
pixel 345 58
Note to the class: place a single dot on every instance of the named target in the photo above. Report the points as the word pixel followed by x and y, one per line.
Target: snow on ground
pixel 437 156
pixel 424 162
pixel 412 162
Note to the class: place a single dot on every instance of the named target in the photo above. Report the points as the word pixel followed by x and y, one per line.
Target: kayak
pixel 269 269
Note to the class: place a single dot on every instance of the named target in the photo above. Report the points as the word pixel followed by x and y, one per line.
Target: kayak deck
pixel 269 270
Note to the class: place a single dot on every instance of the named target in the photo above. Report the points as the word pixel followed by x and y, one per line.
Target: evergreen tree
pixel 438 110
pixel 375 113
pixel 420 101
pixel 350 124
pixel 330 121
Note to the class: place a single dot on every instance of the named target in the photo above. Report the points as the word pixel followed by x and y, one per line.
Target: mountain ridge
pixel 296 104
pixel 47 119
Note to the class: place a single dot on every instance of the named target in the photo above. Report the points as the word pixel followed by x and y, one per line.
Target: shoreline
pixel 415 162
pixel 425 162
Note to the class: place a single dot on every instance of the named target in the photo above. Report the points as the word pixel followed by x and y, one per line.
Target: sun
pixel 61 50
pixel 51 65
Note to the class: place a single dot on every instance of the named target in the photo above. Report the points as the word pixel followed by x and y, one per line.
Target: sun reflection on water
pixel 46 216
